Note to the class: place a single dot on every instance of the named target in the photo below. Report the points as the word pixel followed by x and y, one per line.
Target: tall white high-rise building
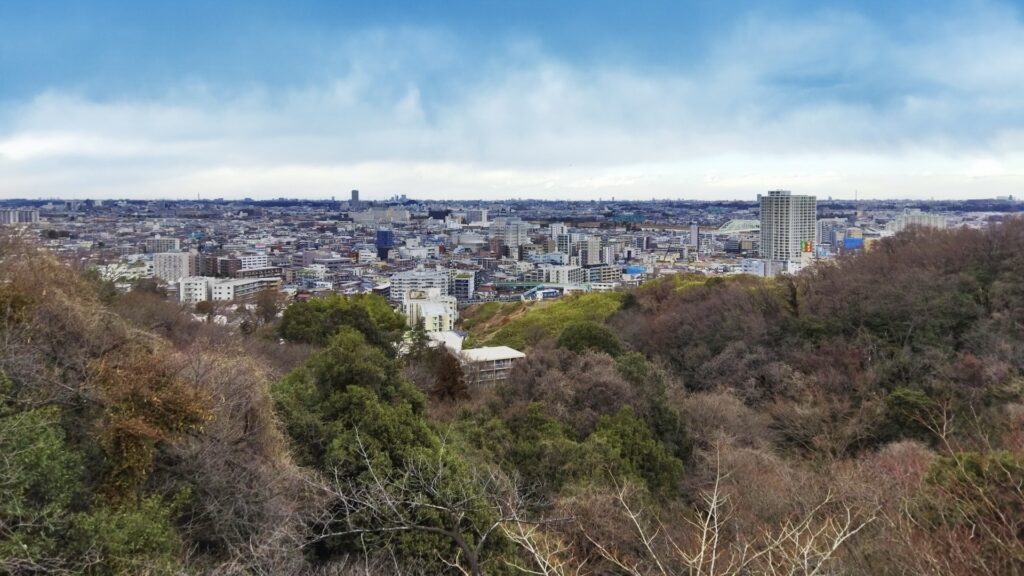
pixel 787 225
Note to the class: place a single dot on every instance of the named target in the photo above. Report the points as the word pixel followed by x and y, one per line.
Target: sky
pixel 550 99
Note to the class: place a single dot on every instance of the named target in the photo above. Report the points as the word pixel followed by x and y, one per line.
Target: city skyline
pixel 697 101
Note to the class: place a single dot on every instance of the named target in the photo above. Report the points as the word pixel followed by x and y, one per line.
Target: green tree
pixel 624 447
pixel 582 336
pixel 317 320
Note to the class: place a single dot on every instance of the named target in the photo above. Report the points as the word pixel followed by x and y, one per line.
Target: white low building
pixel 490 364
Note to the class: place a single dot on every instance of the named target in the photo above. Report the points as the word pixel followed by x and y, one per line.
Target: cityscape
pixel 511 288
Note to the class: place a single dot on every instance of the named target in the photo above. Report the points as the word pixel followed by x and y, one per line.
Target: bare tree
pixel 806 545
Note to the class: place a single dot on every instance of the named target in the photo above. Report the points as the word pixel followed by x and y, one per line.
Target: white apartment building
pixel 418 279
pixel 787 225
pixel 19 216
pixel 154 245
pixel 916 218
pixel 254 261
pixel 559 275
pixel 173 266
pixel 438 313
pixel 241 289
pixel 194 289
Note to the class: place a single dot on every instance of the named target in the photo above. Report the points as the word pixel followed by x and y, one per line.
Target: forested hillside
pixel 865 417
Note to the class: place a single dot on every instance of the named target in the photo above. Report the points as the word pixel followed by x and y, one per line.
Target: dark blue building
pixel 385 241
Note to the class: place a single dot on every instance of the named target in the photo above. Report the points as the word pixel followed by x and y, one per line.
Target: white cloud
pixel 828 104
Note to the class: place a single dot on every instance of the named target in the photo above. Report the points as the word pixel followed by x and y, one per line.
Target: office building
pixel 384 242
pixel 464 284
pixel 787 225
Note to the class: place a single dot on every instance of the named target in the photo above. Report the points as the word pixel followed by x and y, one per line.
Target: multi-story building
pixel 254 261
pixel 194 289
pixel 830 231
pixel 242 290
pixel 19 216
pixel 173 266
pixel 154 245
pixel 264 272
pixel 560 275
pixel 512 232
pixel 464 284
pixel 914 217
pixel 590 251
pixel 787 225
pixel 437 313
pixel 384 242
pixel 604 274
pixel 476 216
pixel 418 279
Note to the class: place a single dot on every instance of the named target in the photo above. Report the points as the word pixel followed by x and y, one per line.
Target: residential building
pixel 787 225
pixel 915 217
pixel 173 266
pixel 19 216
pixel 437 313
pixel 241 290
pixel 194 289
pixel 489 365
pixel 154 245
pixel 418 279
pixel 590 251
pixel 254 261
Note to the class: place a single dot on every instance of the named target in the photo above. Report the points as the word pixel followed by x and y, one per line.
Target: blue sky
pixel 552 99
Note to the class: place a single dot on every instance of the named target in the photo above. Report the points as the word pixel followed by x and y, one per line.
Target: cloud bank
pixel 829 102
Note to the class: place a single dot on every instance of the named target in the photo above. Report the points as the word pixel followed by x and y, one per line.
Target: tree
pixel 473 510
pixel 450 377
pixel 583 336
pixel 267 305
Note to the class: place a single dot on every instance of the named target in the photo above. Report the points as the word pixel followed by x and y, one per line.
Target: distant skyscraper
pixel 355 196
pixel 787 225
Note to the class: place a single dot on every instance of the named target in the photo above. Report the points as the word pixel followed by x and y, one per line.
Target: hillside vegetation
pixel 865 417
pixel 521 324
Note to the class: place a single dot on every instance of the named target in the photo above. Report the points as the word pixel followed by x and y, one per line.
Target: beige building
pixel 438 313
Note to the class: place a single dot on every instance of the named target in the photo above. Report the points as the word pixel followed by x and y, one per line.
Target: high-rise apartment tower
pixel 787 225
